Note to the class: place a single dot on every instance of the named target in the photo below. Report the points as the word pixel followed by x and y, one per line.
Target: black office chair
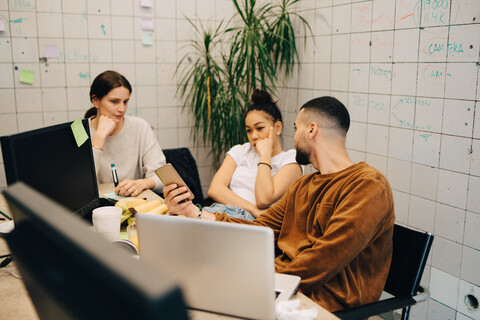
pixel 184 162
pixel 410 253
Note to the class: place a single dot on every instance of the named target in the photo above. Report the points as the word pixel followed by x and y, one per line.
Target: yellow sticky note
pixel 147 39
pixel 26 76
pixel 79 132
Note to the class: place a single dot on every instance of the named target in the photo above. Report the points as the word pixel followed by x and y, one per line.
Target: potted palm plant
pixel 228 64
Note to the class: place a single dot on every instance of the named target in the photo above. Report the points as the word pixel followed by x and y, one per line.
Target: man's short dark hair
pixel 331 109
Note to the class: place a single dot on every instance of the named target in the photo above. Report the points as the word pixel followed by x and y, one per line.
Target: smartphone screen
pixel 169 175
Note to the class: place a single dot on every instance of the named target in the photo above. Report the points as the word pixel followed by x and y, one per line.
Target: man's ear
pixel 312 129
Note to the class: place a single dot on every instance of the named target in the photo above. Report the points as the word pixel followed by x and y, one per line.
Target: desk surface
pixel 15 302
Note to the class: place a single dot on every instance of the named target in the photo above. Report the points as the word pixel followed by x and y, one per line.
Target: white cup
pixel 106 221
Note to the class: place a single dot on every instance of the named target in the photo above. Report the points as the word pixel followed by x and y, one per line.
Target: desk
pixel 15 302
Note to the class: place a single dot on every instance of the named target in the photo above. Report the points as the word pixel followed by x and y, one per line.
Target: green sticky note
pixel 26 76
pixel 147 39
pixel 79 132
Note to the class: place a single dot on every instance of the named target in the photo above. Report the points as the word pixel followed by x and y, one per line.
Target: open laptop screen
pixel 49 160
pixel 72 273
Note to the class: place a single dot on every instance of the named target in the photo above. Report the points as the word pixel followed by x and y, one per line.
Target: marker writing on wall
pixel 114 174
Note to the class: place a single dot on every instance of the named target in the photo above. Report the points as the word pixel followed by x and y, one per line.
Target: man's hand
pixel 176 199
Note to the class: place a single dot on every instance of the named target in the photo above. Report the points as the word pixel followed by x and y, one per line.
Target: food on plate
pixel 128 203
pixel 161 209
pixel 145 207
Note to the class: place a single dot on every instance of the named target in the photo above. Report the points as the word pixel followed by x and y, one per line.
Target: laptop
pixel 221 267
pixel 50 160
pixel 71 272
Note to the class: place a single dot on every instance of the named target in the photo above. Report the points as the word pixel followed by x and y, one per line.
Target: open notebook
pixel 221 267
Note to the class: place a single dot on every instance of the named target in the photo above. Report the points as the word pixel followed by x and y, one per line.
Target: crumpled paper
pixel 288 310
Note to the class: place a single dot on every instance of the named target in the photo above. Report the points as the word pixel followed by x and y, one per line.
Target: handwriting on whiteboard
pixel 22 4
pixel 434 13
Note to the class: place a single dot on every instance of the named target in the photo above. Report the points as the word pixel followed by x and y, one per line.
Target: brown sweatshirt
pixel 335 232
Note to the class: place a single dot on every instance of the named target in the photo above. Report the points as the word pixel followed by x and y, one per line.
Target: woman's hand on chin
pixel 105 126
pixel 265 146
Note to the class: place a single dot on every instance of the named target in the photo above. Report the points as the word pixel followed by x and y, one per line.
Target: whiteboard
pixel 63 45
pixel 408 72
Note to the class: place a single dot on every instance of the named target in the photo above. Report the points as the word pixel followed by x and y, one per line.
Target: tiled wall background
pixel 408 70
pixel 93 36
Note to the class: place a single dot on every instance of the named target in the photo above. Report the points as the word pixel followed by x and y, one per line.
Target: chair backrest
pixel 410 253
pixel 183 161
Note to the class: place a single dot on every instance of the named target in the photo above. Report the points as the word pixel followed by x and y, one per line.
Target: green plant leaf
pixel 251 47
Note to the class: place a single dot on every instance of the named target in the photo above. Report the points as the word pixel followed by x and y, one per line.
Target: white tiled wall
pixel 411 84
pixel 93 36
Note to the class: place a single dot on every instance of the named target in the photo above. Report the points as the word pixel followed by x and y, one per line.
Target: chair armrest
pixel 375 308
pixel 423 294
pixel 383 306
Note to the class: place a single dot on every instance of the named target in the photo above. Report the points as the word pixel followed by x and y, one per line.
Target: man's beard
pixel 302 157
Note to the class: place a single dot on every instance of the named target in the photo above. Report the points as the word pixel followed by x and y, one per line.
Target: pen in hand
pixel 5 215
pixel 114 175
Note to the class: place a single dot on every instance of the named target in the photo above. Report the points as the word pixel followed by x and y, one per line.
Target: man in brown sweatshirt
pixel 334 227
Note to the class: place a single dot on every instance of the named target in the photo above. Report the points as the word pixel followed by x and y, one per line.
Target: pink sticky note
pixel 51 51
pixel 146 3
pixel 2 25
pixel 147 24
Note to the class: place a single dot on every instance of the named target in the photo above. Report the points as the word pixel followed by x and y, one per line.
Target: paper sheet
pixel 147 24
pixel 51 51
pixel 147 39
pixel 114 196
pixel 6 227
pixel 146 3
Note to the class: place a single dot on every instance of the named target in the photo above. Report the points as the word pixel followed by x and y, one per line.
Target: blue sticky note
pixel 114 196
pixel 79 132
pixel 147 39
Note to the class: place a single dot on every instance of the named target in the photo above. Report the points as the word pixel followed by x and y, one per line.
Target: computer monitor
pixel 70 272
pixel 49 160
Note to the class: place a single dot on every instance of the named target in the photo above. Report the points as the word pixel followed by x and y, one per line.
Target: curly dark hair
pixel 262 101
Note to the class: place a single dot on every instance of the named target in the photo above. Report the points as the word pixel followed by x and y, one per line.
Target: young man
pixel 334 227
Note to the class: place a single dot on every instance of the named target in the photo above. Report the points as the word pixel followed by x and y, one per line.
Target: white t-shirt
pixel 243 179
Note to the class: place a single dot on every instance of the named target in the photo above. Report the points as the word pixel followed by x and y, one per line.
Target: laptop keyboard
pixel 86 211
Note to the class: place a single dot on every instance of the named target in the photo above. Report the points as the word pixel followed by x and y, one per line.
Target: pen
pixel 114 175
pixel 5 215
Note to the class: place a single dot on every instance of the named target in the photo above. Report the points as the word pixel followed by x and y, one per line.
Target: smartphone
pixel 169 175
